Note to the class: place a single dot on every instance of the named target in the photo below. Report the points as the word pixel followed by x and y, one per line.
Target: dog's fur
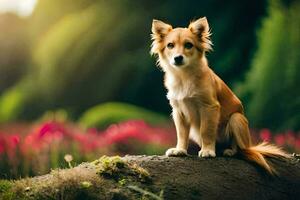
pixel 204 108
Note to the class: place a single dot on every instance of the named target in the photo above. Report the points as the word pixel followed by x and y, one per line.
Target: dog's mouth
pixel 181 64
pixel 178 64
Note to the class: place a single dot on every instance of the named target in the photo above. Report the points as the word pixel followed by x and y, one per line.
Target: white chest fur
pixel 183 98
pixel 179 90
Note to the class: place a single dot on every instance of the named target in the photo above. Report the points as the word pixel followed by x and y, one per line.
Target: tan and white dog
pixel 204 108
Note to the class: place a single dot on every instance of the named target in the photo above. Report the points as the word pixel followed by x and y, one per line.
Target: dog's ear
pixel 160 28
pixel 159 31
pixel 200 28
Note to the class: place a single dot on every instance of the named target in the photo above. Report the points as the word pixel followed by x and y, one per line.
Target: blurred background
pixel 76 77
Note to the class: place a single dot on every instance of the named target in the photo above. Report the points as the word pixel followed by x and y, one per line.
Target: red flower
pixel 279 139
pixel 136 129
pixel 297 143
pixel 52 128
pixel 265 135
pixel 2 143
pixel 13 140
pixel 290 138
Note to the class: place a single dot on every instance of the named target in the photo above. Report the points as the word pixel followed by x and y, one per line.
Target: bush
pixel 272 84
pixel 109 113
pixel 11 104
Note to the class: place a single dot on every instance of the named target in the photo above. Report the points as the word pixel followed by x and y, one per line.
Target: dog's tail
pixel 258 153
pixel 237 129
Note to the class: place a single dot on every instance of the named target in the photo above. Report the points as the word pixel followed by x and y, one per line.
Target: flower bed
pixel 45 145
pixel 35 149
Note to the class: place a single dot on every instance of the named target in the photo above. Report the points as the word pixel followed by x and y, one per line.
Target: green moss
pixel 59 184
pixel 118 169
pixel 109 166
pixel 142 173
pixel 86 184
pixel 5 190
pixel 113 173
pixel 122 181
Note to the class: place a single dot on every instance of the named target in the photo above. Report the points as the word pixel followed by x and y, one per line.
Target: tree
pixel 273 81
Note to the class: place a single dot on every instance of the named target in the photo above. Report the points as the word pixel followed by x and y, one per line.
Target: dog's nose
pixel 178 60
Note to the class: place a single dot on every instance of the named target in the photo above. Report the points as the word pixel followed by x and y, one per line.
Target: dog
pixel 203 106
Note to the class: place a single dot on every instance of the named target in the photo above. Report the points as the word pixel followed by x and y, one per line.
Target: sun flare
pixel 20 7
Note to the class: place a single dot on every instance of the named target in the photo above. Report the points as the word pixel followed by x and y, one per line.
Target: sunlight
pixel 20 7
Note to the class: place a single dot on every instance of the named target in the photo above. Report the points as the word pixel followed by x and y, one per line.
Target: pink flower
pixel 290 138
pixel 51 127
pixel 13 140
pixel 2 144
pixel 11 143
pixel 279 139
pixel 265 135
pixel 136 129
pixel 297 143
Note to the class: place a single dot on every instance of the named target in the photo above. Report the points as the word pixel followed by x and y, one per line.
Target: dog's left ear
pixel 200 28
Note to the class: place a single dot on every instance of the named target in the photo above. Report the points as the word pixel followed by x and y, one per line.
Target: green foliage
pixel 20 100
pixel 272 85
pixel 105 114
pixel 48 12
pixel 86 52
pixel 11 104
pixel 14 48
pixel 4 185
pixel 5 190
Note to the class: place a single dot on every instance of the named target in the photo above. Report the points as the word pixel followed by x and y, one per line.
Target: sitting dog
pixel 204 107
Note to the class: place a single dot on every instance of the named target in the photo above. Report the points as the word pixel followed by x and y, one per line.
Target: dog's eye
pixel 188 45
pixel 170 45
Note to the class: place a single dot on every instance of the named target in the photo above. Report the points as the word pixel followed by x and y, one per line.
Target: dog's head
pixel 180 47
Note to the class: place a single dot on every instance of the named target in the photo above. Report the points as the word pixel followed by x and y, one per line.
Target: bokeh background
pixel 76 76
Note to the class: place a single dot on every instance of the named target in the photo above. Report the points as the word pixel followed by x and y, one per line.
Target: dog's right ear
pixel 159 31
pixel 160 28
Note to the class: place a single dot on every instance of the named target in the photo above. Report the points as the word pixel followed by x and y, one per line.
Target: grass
pixel 5 190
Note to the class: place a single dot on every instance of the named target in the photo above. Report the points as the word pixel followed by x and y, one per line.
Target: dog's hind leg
pixel 237 131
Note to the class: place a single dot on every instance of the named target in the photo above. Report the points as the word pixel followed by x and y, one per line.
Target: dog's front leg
pixel 182 130
pixel 208 130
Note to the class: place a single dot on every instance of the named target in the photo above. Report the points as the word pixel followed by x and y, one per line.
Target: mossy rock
pixel 160 177
pixel 105 178
pixel 103 115
pixel 116 168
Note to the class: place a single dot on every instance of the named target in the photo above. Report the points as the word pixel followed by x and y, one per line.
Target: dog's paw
pixel 205 153
pixel 176 152
pixel 229 152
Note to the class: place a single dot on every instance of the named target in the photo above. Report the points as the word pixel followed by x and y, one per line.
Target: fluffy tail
pixel 237 129
pixel 258 153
